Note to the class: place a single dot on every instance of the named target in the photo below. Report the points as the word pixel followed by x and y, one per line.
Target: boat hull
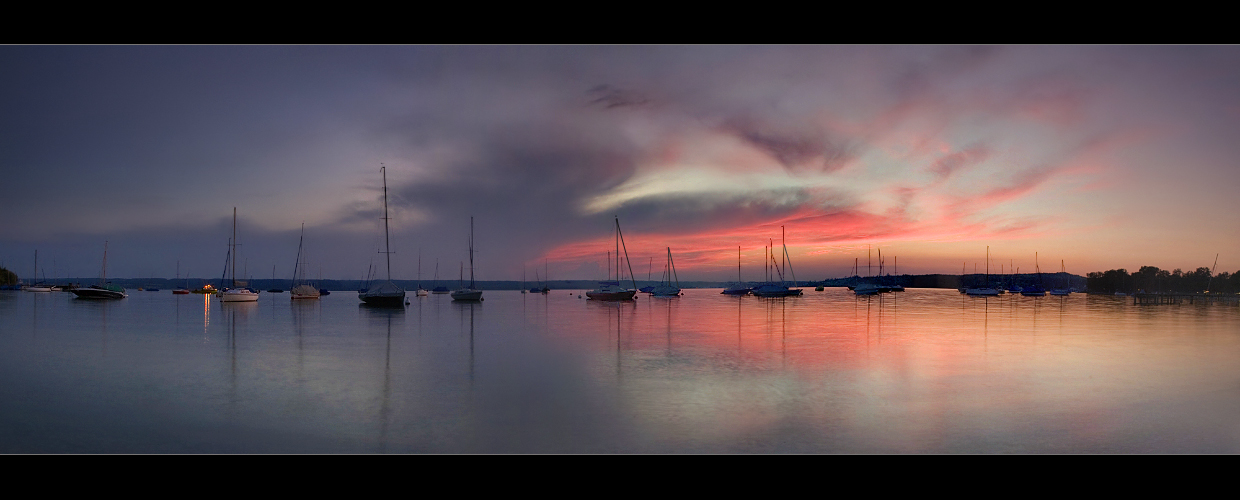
pixel 622 295
pixel 467 295
pixel 241 295
pixel 98 293
pixel 305 292
pixel 665 291
pixel 775 291
pixel 384 300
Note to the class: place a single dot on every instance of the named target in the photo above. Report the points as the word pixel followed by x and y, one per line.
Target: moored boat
pixel 104 289
pixel 238 292
pixel 985 290
pixel 302 290
pixel 740 287
pixel 471 293
pixel 666 288
pixel 781 289
pixel 385 293
pixel 610 290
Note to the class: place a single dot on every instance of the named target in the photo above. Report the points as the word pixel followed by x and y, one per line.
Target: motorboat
pixel 104 289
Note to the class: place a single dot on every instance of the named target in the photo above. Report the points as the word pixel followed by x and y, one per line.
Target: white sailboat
pixel 422 292
pixel 385 293
pixel 41 286
pixel 666 288
pixel 781 289
pixel 471 293
pixel 237 292
pixel 986 290
pixel 301 289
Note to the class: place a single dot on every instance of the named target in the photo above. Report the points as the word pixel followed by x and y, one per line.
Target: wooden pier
pixel 1183 298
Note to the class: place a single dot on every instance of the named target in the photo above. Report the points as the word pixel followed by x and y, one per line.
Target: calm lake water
pixel 924 371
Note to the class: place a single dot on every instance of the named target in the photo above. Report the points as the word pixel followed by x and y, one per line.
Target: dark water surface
pixel 925 371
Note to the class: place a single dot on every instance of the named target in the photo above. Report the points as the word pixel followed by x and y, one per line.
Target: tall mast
pixel 738 264
pixel 104 279
pixel 471 253
pixel 782 258
pixel 386 245
pixel 234 248
pixel 617 248
pixel 297 264
pixel 620 236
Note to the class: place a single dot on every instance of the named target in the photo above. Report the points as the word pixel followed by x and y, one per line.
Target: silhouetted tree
pixel 1153 279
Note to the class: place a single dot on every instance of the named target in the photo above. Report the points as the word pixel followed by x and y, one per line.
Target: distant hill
pixel 1049 280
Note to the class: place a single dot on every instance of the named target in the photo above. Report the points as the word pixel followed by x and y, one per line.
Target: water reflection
pixel 916 372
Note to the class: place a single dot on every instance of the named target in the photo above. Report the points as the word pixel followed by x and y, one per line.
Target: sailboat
pixel 237 292
pixel 470 293
pixel 649 269
pixel 1036 289
pixel 439 289
pixel 41 286
pixel 184 290
pixel 537 289
pixel 422 292
pixel 1065 290
pixel 611 289
pixel 781 289
pixel 867 288
pixel 385 293
pixel 103 290
pixel 740 288
pixel 666 288
pixel 301 289
pixel 546 289
pixel 986 290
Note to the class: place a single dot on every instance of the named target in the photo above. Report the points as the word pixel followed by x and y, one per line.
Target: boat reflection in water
pixel 926 371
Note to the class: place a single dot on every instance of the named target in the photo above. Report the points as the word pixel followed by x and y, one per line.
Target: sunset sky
pixel 1100 157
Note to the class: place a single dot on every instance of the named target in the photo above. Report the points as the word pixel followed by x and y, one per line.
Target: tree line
pixel 1151 279
pixel 7 277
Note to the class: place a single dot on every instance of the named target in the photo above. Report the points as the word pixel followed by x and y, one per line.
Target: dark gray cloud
pixel 151 147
